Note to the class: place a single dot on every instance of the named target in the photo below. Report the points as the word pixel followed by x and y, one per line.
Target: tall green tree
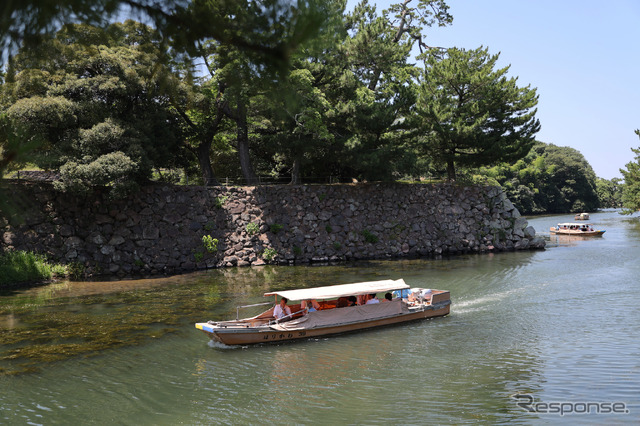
pixel 371 88
pixel 471 114
pixel 631 188
pixel 609 192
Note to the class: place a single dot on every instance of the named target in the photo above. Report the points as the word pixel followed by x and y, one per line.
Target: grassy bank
pixel 22 267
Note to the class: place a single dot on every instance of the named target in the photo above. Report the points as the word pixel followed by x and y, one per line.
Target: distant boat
pixel 333 315
pixel 576 229
pixel 581 216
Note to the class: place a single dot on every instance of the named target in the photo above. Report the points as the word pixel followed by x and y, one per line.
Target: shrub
pixel 114 169
pixel 252 228
pixel 22 266
pixel 269 254
pixel 210 243
pixel 218 202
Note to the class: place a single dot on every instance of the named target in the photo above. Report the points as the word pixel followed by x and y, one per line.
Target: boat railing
pixel 249 306
pixel 287 317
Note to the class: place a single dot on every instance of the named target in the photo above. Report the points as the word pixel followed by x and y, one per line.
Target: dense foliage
pixel 631 189
pixel 609 192
pixel 97 101
pixel 304 91
pixel 550 179
pixel 110 105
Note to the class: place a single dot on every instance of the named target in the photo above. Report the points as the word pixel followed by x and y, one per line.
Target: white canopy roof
pixel 335 291
pixel 575 224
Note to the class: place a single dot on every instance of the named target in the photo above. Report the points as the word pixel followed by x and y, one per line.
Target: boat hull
pixel 253 335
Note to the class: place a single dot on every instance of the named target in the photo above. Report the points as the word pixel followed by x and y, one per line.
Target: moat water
pixel 530 334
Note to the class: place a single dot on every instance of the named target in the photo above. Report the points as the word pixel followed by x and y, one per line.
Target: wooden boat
pixel 332 317
pixel 581 216
pixel 576 229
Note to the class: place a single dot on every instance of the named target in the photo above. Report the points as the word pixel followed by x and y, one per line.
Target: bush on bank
pixel 22 267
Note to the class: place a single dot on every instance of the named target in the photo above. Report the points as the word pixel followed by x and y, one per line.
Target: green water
pixel 560 325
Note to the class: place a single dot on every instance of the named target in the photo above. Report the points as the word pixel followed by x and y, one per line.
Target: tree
pixel 200 105
pixel 574 177
pixel 368 81
pixel 631 187
pixel 294 130
pixel 97 100
pixel 403 25
pixel 550 179
pixel 471 114
pixel 609 192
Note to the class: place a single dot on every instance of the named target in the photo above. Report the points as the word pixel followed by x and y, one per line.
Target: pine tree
pixel 471 114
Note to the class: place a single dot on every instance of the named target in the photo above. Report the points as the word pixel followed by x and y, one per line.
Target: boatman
pixel 282 310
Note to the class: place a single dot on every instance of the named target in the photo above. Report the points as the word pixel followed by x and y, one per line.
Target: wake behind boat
pixel 327 310
pixel 576 229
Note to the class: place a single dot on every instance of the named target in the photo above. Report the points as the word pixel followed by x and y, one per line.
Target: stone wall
pixel 161 229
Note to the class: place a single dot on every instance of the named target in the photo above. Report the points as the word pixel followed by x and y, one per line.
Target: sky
pixel 583 56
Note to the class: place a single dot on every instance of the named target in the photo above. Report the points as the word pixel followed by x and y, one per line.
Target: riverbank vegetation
pixel 23 267
pixel 631 192
pixel 549 179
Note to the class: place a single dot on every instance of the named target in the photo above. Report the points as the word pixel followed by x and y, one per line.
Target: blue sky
pixel 583 56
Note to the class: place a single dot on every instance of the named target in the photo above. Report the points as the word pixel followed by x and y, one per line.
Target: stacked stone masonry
pixel 161 229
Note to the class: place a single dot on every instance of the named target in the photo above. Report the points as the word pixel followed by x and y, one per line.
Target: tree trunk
pixel 295 172
pixel 203 153
pixel 243 146
pixel 451 170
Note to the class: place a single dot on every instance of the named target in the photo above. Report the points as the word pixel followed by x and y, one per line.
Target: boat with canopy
pixel 576 229
pixel 333 315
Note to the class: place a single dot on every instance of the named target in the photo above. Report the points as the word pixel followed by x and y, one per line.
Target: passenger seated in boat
pixel 310 305
pixel 388 297
pixel 362 299
pixel 342 302
pixel 372 299
pixel 282 310
pixel 353 301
